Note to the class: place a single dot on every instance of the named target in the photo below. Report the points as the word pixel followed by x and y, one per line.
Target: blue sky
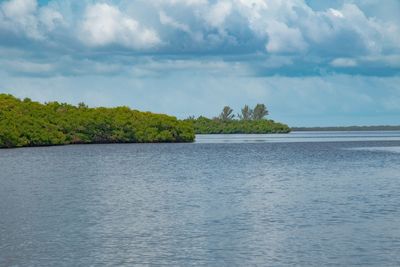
pixel 311 62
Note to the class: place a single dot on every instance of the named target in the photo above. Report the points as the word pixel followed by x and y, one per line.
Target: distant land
pixel 248 121
pixel 26 123
pixel 348 128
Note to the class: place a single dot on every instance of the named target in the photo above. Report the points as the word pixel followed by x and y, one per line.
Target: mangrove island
pixel 28 123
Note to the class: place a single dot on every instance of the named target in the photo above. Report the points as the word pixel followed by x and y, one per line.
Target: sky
pixel 313 63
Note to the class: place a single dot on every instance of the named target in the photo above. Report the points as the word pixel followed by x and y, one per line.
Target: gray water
pixel 306 199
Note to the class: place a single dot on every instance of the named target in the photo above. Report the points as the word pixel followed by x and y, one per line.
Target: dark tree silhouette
pixel 259 112
pixel 226 114
pixel 246 113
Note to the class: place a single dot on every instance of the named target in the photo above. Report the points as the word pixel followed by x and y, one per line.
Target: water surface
pixel 308 199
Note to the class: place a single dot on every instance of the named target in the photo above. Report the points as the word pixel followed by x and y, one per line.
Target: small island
pixel 28 123
pixel 249 121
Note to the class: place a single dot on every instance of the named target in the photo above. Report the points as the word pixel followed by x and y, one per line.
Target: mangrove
pixel 249 121
pixel 28 123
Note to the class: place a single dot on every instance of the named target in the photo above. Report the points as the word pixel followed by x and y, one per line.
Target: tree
pixel 246 113
pixel 82 105
pixel 226 114
pixel 259 112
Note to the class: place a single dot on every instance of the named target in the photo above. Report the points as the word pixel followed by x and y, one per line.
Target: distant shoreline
pixel 348 128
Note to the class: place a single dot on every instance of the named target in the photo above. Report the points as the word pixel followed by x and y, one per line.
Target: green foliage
pixel 28 123
pixel 204 125
pixel 251 122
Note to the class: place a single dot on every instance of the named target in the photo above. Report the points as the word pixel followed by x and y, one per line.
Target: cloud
pixel 217 13
pixel 19 8
pixel 283 39
pixel 312 62
pixel 167 20
pixel 50 18
pixel 104 24
pixel 343 62
pixel 346 37
pixel 19 17
pixel 24 18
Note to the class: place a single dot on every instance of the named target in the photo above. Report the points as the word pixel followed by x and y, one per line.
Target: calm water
pixel 308 199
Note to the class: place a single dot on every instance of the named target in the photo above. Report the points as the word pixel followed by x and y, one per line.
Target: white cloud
pixel 217 13
pixel 104 24
pixel 283 39
pixel 336 13
pixel 182 2
pixel 19 8
pixel 344 62
pixel 20 17
pixel 50 18
pixel 24 17
pixel 167 20
pixel 340 36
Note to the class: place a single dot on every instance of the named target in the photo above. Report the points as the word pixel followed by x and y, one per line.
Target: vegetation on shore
pixel 29 123
pixel 249 121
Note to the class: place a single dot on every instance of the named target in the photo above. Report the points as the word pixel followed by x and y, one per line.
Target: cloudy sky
pixel 312 62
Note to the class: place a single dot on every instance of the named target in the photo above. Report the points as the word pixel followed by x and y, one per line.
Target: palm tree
pixel 226 114
pixel 259 112
pixel 246 113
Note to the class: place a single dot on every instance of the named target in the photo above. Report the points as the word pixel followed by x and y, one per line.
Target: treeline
pixel 248 121
pixel 29 123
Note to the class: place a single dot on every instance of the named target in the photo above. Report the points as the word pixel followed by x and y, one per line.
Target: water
pixel 328 136
pixel 308 199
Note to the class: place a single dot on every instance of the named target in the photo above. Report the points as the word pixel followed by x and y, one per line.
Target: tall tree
pixel 246 113
pixel 226 114
pixel 259 112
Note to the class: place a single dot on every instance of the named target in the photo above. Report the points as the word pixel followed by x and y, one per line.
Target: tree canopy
pixel 250 121
pixel 29 123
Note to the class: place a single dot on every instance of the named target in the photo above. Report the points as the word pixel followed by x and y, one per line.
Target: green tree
pixel 29 123
pixel 259 112
pixel 226 114
pixel 82 105
pixel 246 113
pixel 217 125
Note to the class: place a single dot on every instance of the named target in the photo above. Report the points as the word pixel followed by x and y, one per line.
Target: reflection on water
pixel 221 202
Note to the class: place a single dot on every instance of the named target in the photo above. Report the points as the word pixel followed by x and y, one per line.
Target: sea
pixel 298 199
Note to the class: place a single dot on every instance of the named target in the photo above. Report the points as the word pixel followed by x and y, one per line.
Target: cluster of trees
pixel 259 112
pixel 28 123
pixel 249 121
